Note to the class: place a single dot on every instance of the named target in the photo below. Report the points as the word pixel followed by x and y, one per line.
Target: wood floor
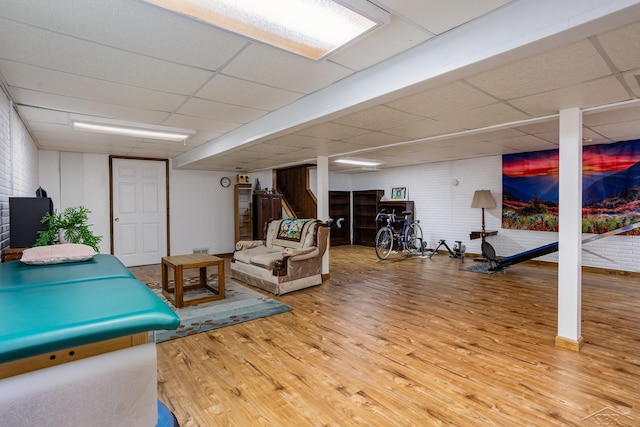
pixel 415 342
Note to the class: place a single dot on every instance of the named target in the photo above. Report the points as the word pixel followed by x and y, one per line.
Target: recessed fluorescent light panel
pixel 358 162
pixel 139 130
pixel 311 28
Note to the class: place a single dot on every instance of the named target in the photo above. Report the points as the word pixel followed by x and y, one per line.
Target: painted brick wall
pixel 24 159
pixel 18 163
pixel 5 168
pixel 444 211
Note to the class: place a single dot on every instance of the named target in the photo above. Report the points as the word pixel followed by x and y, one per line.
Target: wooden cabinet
pixel 340 207
pixel 242 212
pixel 266 208
pixel 365 208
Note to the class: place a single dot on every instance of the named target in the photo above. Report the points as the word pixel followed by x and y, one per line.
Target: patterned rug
pixel 239 305
pixel 481 267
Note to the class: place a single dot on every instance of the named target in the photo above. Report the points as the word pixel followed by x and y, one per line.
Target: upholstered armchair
pixel 290 258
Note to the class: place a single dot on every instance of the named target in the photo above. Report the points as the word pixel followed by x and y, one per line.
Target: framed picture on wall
pixel 398 193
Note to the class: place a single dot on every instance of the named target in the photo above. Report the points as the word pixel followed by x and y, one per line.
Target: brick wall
pixel 5 168
pixel 18 163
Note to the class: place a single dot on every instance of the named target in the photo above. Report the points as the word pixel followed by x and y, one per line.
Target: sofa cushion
pixel 246 254
pixel 261 256
pixel 266 260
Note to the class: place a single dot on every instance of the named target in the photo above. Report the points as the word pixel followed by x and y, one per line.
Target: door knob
pixel 116 219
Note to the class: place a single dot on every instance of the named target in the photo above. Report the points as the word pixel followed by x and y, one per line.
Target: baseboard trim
pixel 569 344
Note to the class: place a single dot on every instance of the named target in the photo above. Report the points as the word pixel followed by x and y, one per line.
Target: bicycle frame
pixel 399 236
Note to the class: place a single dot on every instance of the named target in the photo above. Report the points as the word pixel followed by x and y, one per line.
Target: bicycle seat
pixel 407 213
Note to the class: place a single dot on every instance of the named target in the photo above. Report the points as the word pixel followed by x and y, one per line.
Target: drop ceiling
pixel 443 80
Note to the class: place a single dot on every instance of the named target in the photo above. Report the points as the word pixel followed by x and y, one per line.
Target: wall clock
pixel 225 181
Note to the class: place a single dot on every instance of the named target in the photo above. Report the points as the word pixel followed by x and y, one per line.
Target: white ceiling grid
pixel 257 107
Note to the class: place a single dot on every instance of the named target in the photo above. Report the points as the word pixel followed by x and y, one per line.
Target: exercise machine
pixel 499 264
pixel 457 251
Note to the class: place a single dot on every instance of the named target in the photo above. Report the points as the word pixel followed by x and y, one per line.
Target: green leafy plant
pixel 72 223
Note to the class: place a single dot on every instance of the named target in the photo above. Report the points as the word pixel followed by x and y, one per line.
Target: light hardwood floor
pixel 414 342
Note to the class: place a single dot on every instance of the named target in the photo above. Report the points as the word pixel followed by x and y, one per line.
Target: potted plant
pixel 70 226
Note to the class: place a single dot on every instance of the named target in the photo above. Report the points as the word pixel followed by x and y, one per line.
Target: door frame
pixel 167 217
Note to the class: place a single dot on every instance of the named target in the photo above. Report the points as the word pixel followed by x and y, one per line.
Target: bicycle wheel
pixel 413 239
pixel 384 242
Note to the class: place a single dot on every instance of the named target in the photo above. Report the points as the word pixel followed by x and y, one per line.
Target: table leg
pixel 203 277
pixel 221 279
pixel 179 275
pixel 165 279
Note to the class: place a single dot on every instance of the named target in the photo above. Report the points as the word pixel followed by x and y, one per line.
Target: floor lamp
pixel 483 199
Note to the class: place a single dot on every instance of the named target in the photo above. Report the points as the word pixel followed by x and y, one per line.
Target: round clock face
pixel 225 182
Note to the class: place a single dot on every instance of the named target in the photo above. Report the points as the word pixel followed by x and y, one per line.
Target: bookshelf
pixel 365 208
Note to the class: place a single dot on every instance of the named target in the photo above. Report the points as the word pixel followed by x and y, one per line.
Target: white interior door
pixel 139 205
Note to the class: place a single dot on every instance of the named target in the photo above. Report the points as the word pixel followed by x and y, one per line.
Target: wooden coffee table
pixel 179 263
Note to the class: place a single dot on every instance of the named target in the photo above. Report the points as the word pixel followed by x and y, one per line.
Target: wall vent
pixel 200 250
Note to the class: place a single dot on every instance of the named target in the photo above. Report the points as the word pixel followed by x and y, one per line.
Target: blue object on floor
pixel 166 417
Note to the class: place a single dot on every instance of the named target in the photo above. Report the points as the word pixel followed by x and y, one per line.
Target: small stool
pixel 179 263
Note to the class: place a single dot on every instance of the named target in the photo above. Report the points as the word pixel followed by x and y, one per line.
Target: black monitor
pixel 25 214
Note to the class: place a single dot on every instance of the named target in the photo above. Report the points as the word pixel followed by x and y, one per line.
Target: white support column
pixel 323 202
pixel 570 231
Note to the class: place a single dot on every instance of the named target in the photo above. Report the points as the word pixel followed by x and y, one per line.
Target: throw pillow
pixel 57 254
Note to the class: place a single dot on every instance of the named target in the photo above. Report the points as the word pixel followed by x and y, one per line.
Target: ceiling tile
pixel 578 62
pixel 525 142
pixel 34 114
pixel 234 91
pixel 273 67
pixel 71 55
pixel 455 96
pixel 201 124
pixel 422 129
pixel 374 139
pixel 484 116
pixel 81 106
pixel 619 131
pixel 331 130
pixel 218 111
pixel 633 80
pixel 378 118
pixel 389 40
pixel 602 91
pixel 440 16
pixel 623 47
pixel 297 141
pixel 65 84
pixel 167 35
pixel 619 115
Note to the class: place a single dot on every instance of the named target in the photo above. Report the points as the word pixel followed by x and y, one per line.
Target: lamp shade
pixel 483 199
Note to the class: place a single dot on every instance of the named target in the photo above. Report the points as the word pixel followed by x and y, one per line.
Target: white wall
pixel 444 211
pixel 201 212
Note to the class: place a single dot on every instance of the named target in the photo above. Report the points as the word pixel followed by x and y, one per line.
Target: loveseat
pixel 290 257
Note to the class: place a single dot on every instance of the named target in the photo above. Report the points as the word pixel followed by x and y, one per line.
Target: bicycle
pixel 408 239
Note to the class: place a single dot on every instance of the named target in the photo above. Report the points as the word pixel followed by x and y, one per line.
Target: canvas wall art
pixel 610 188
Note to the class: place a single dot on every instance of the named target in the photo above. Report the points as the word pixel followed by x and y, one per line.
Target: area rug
pixel 482 267
pixel 240 304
